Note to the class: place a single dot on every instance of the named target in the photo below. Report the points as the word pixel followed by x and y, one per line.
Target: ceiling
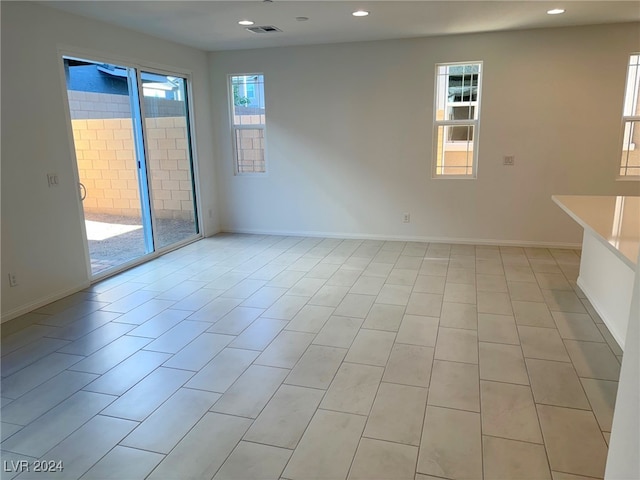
pixel 213 25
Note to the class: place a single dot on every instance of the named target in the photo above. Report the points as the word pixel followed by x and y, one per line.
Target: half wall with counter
pixel 609 259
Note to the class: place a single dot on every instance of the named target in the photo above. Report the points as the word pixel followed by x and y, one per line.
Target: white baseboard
pixel 23 309
pixel 405 238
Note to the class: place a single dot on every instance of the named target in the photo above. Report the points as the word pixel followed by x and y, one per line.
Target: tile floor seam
pixel 426 403
pixel 482 453
pixel 544 443
pixel 123 418
pixel 354 456
pixel 405 384
pixel 44 455
pixel 389 441
pixel 589 341
pixel 589 401
pixel 22 454
pixel 97 461
pixel 339 411
pixel 512 439
pixel 362 259
pixel 582 475
pixel 267 444
pixel 314 414
pixel 175 444
pixel 31 389
pixel 16 424
pixel 132 386
pixel 270 397
pixel 576 370
pixel 54 406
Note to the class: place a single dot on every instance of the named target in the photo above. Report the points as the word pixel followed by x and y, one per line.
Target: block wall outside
pixel 632 159
pixel 107 162
pixel 250 141
pixel 250 150
pixel 90 105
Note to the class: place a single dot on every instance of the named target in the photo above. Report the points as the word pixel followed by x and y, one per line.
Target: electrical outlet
pixel 13 280
pixel 52 179
pixel 406 218
pixel 509 159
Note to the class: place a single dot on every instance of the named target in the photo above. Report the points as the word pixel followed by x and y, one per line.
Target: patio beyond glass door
pixel 132 144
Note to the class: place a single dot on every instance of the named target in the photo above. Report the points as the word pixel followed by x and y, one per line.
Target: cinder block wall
pixel 107 163
pixel 250 150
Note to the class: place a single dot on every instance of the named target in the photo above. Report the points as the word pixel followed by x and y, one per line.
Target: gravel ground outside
pixel 118 249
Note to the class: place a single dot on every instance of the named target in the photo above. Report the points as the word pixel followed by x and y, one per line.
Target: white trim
pixel 347 236
pixel 23 309
pixel 139 67
pixel 84 54
pixel 61 54
pixel 257 126
pixel 141 155
pixel 405 238
pixel 631 79
pixel 193 153
pixel 475 122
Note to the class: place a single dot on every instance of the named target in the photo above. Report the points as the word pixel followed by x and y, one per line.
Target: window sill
pixel 454 177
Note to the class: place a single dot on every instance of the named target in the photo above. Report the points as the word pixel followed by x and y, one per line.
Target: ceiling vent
pixel 264 29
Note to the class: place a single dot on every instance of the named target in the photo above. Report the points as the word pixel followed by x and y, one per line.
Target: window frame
pixel 474 122
pixel 234 128
pixel 628 119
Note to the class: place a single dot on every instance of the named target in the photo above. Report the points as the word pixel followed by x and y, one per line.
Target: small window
pixel 630 162
pixel 456 119
pixel 248 122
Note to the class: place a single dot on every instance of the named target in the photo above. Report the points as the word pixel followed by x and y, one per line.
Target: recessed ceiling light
pixel 245 22
pixel 555 11
pixel 360 13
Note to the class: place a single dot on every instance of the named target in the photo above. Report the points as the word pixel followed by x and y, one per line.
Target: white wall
pixel 623 462
pixel 349 136
pixel 41 226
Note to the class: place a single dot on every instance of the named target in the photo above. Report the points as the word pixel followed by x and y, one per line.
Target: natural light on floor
pixel 102 231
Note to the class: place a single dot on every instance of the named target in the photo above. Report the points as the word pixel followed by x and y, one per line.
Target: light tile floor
pixel 249 357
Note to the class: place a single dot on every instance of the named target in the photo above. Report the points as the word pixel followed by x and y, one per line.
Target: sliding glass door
pixel 170 165
pixel 133 150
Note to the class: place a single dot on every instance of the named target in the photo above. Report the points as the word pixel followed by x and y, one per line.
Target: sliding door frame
pixel 63 51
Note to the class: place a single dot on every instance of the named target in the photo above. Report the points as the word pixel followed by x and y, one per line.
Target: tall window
pixel 246 94
pixel 630 162
pixel 456 119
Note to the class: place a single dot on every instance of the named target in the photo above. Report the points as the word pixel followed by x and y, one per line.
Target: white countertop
pixel 615 220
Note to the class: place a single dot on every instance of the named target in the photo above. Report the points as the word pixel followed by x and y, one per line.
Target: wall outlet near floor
pixel 13 279
pixel 508 159
pixel 406 218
